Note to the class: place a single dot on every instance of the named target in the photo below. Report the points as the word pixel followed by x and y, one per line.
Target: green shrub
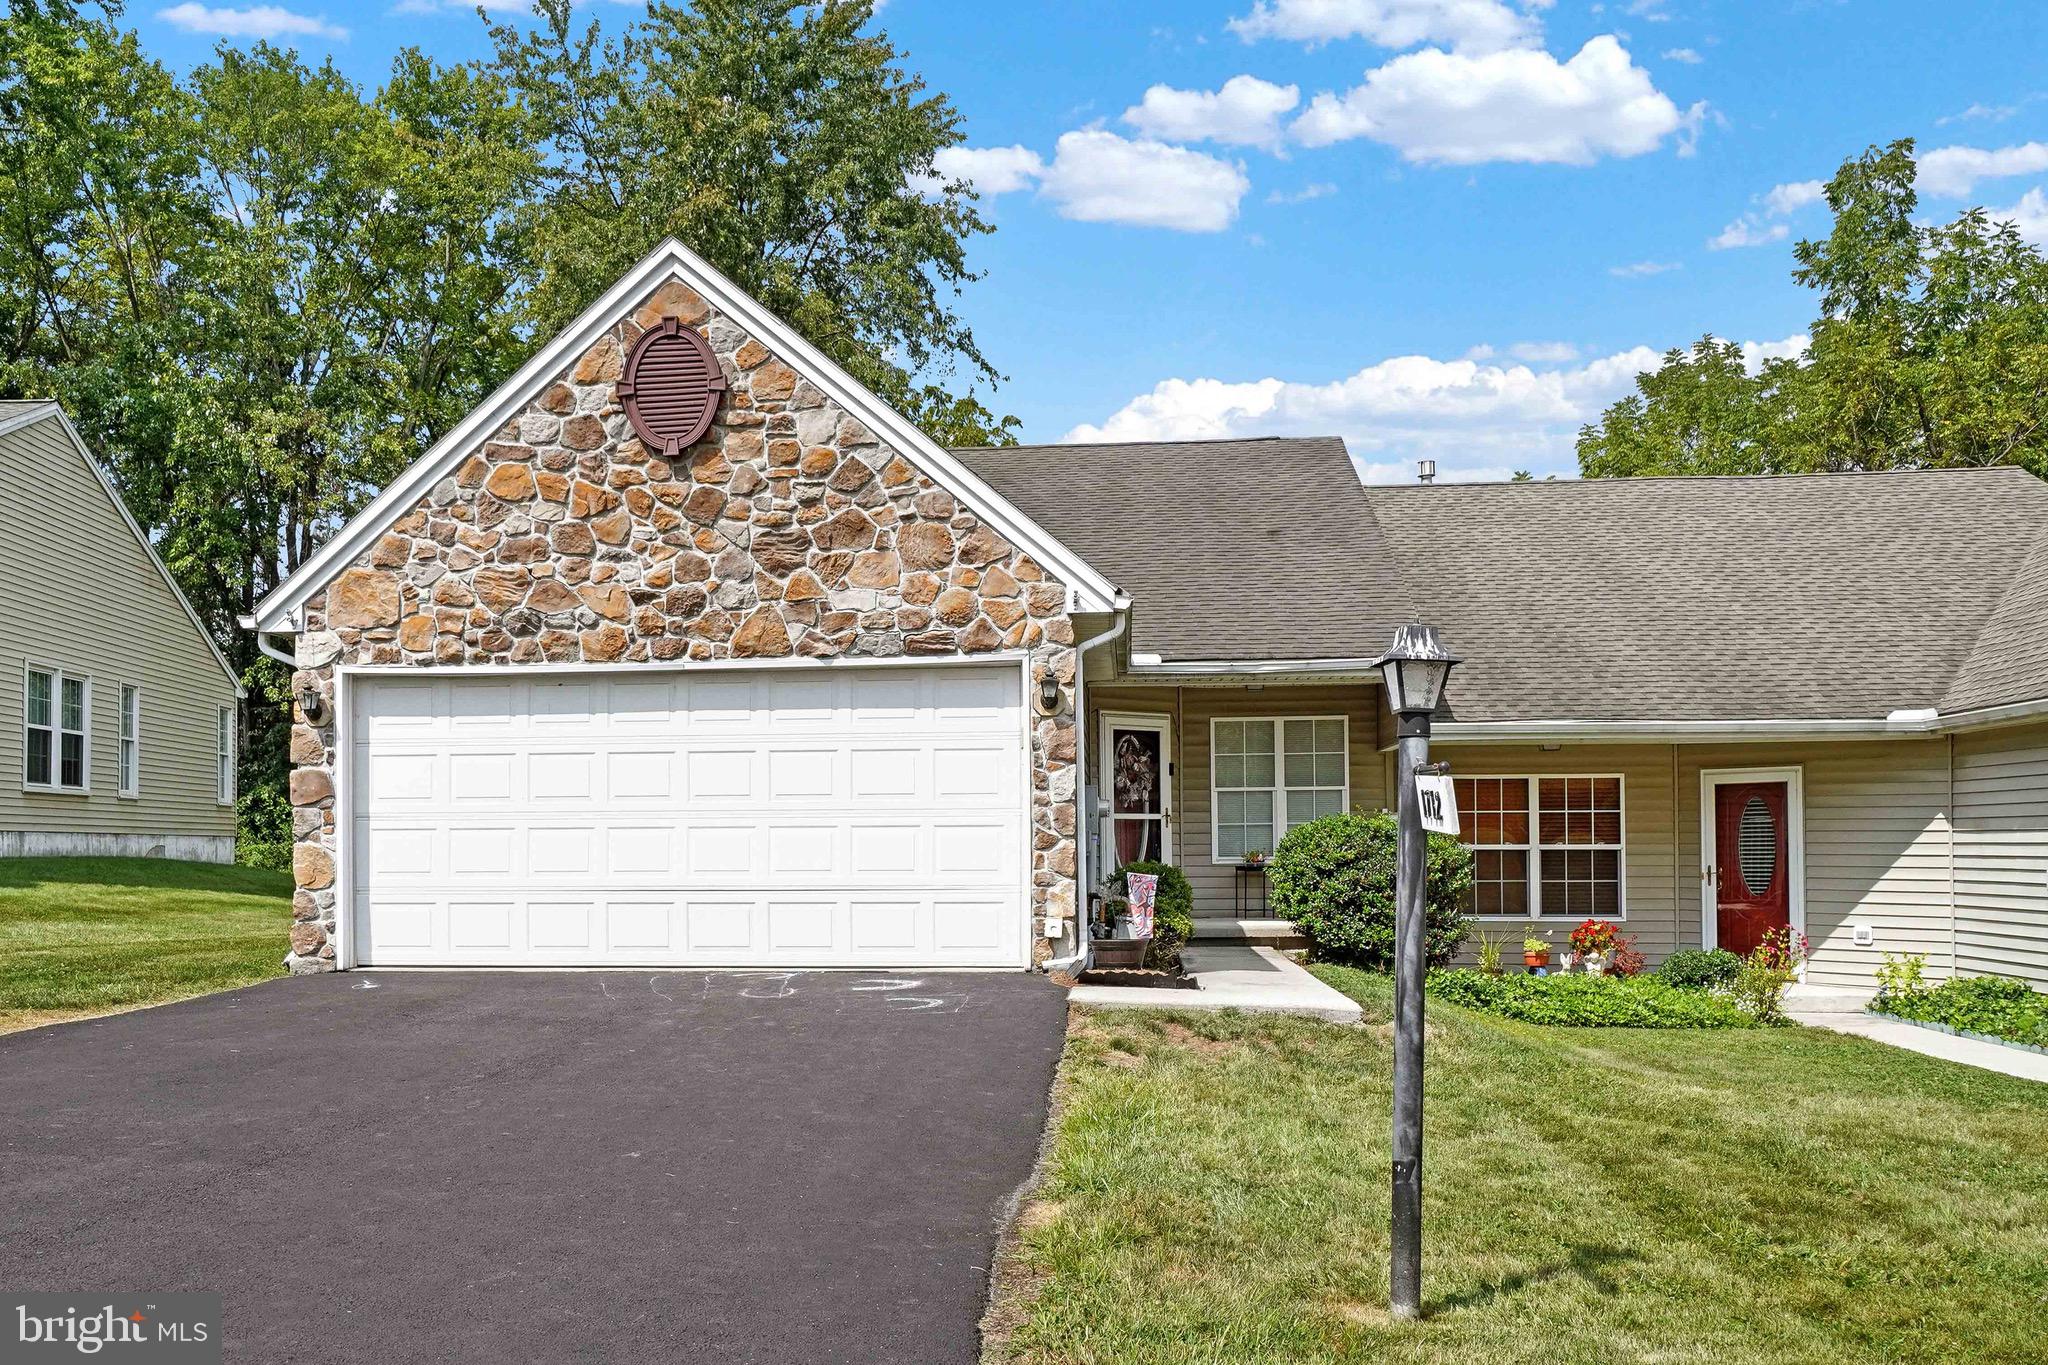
pixel 1994 1005
pixel 1334 877
pixel 1699 968
pixel 263 828
pixel 1580 1001
pixel 1173 910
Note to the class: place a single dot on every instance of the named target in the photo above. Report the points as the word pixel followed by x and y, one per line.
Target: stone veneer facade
pixel 790 529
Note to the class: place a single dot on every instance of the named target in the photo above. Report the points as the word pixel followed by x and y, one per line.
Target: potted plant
pixel 1255 858
pixel 1112 946
pixel 1489 950
pixel 1592 942
pixel 1535 953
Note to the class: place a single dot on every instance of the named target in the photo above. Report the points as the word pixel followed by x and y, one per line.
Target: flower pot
pixel 1109 953
pixel 1535 960
pixel 1595 964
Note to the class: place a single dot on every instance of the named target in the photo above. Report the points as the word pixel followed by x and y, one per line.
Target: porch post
pixel 1411 753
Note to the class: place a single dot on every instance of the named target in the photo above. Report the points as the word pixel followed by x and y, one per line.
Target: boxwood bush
pixel 1173 909
pixel 1334 877
pixel 1699 968
pixel 1581 1001
pixel 1994 1005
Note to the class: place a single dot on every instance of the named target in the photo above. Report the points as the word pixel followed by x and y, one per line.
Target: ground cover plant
pixel 1578 1000
pixel 1996 1006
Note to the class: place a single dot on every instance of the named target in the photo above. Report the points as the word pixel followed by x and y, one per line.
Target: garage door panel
pixel 853 815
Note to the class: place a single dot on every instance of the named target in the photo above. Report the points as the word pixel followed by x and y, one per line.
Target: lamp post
pixel 1414 671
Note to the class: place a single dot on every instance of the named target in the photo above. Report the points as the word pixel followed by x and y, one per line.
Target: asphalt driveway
pixel 522 1166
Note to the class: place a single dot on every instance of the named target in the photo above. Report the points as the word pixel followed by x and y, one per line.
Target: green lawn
pixel 84 936
pixel 1217 1192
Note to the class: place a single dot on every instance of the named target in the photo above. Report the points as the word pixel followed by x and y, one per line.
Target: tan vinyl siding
pixel 1877 841
pixel 2002 854
pixel 1191 709
pixel 1877 846
pixel 79 593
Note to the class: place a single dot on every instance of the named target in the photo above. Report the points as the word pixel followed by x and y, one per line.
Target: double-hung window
pixel 224 755
pixel 56 755
pixel 1269 775
pixel 131 740
pixel 1543 846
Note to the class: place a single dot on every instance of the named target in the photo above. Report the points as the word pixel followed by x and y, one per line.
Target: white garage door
pixel 803 817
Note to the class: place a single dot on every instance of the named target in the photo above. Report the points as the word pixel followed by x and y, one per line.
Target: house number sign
pixel 1438 801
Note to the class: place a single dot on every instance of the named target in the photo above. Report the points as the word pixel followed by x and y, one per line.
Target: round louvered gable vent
pixel 671 387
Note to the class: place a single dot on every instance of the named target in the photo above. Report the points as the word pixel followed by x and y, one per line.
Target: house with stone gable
pixel 685 649
pixel 117 710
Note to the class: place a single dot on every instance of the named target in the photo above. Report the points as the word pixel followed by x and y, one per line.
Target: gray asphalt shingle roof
pixel 1242 549
pixel 1806 597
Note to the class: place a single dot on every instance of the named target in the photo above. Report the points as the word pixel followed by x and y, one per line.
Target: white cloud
pixel 1989 113
pixel 1099 177
pixel 1636 270
pixel 1747 231
pixel 1245 112
pixel 1513 105
pixel 1755 353
pixel 256 21
pixel 1682 54
pixel 1955 171
pixel 1481 25
pixel 1785 200
pixel 1321 189
pixel 2030 216
pixel 1757 227
pixel 1476 419
pixel 988 170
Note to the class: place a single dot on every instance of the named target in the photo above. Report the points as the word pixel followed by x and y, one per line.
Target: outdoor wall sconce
pixel 312 705
pixel 1048 693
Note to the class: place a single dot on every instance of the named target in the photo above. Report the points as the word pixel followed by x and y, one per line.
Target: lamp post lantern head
pixel 1415 669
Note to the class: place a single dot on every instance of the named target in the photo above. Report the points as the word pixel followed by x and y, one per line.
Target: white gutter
pixel 1077 961
pixel 1921 721
pixel 1152 666
pixel 248 623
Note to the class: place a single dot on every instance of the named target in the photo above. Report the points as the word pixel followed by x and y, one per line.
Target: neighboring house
pixel 117 712
pixel 683 648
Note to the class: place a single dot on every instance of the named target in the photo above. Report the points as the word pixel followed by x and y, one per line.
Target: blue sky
pixel 1444 228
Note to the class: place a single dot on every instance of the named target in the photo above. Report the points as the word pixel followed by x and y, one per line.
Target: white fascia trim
pixel 1089 590
pixel 1142 666
pixel 1898 724
pixel 56 410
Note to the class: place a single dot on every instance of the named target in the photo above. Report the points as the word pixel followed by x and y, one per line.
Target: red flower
pixel 1593 936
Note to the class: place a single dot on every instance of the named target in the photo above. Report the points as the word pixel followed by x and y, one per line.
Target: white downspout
pixel 1077 961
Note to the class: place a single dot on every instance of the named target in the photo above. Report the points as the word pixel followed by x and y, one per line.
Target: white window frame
pixel 128 757
pixel 1279 787
pixel 56 786
pixel 224 755
pixel 1537 847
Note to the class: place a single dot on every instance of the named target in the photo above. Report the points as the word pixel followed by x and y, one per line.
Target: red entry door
pixel 1752 872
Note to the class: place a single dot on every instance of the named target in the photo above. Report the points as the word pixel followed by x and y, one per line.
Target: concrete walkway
pixel 1843 1012
pixel 1232 976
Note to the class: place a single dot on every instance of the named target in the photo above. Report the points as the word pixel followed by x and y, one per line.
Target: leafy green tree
pixel 786 145
pixel 1931 350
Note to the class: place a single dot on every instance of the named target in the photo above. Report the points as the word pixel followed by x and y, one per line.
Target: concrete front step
pixel 1232 976
pixel 1267 933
